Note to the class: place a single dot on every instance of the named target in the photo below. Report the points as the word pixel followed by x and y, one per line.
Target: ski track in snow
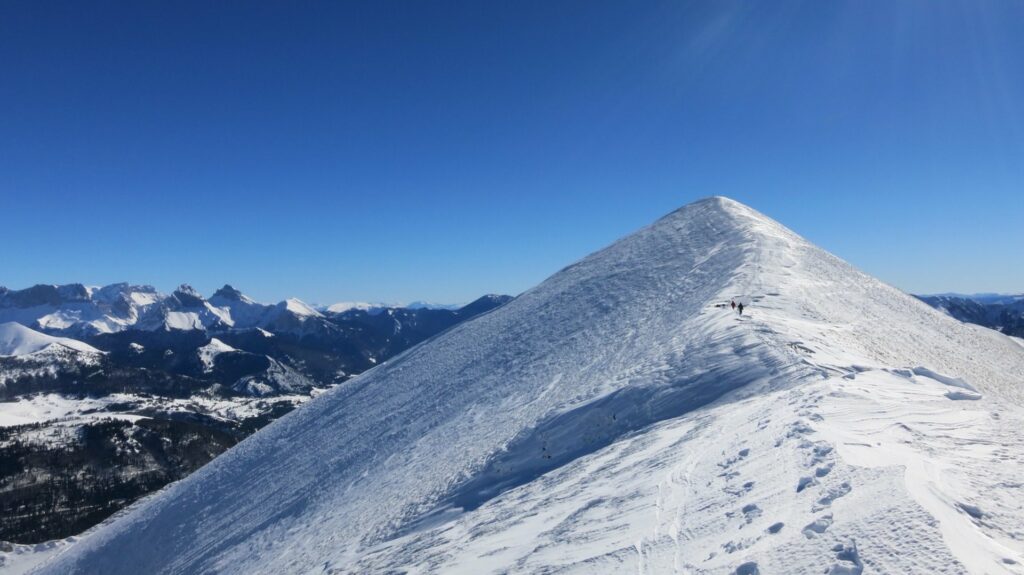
pixel 619 418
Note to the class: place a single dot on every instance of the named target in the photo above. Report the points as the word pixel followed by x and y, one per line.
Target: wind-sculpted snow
pixel 567 436
pixel 620 417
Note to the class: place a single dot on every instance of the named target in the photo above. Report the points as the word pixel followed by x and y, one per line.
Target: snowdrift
pixel 620 417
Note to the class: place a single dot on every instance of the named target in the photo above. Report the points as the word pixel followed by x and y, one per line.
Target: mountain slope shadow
pixel 563 438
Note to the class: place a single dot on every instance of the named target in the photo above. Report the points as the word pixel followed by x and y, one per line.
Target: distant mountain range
pixel 109 393
pixel 78 310
pixel 1000 312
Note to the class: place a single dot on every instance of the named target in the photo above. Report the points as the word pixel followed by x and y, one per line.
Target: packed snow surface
pixel 621 418
pixel 18 559
pixel 17 340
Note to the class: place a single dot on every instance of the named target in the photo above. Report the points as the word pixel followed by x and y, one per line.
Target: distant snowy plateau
pixel 621 418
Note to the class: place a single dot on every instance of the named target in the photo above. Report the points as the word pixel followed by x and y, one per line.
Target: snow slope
pixel 619 417
pixel 299 308
pixel 17 559
pixel 209 352
pixel 18 340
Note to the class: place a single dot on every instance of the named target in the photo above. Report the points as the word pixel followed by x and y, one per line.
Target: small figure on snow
pixel 739 308
pixel 733 304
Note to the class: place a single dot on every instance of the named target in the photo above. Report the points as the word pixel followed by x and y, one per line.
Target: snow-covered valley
pixel 620 417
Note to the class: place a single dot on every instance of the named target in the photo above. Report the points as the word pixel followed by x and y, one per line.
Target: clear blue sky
pixel 439 150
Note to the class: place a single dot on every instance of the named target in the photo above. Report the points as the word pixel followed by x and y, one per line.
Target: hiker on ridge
pixel 740 308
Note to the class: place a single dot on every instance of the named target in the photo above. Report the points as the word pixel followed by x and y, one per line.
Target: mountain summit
pixel 619 417
pixel 18 340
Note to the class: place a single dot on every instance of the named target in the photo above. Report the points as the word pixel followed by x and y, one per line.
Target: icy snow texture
pixel 18 559
pixel 17 340
pixel 619 417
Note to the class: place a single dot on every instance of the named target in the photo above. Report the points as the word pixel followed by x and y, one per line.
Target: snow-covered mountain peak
pixel 43 294
pixel 742 222
pixel 299 308
pixel 209 352
pixel 188 296
pixel 124 293
pixel 188 290
pixel 18 340
pixel 230 294
pixel 620 416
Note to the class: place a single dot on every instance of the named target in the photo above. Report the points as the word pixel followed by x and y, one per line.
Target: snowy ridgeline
pixel 18 340
pixel 620 417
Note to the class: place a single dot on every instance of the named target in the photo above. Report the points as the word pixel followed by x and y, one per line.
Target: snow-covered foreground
pixel 619 418
pixel 754 482
pixel 18 559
